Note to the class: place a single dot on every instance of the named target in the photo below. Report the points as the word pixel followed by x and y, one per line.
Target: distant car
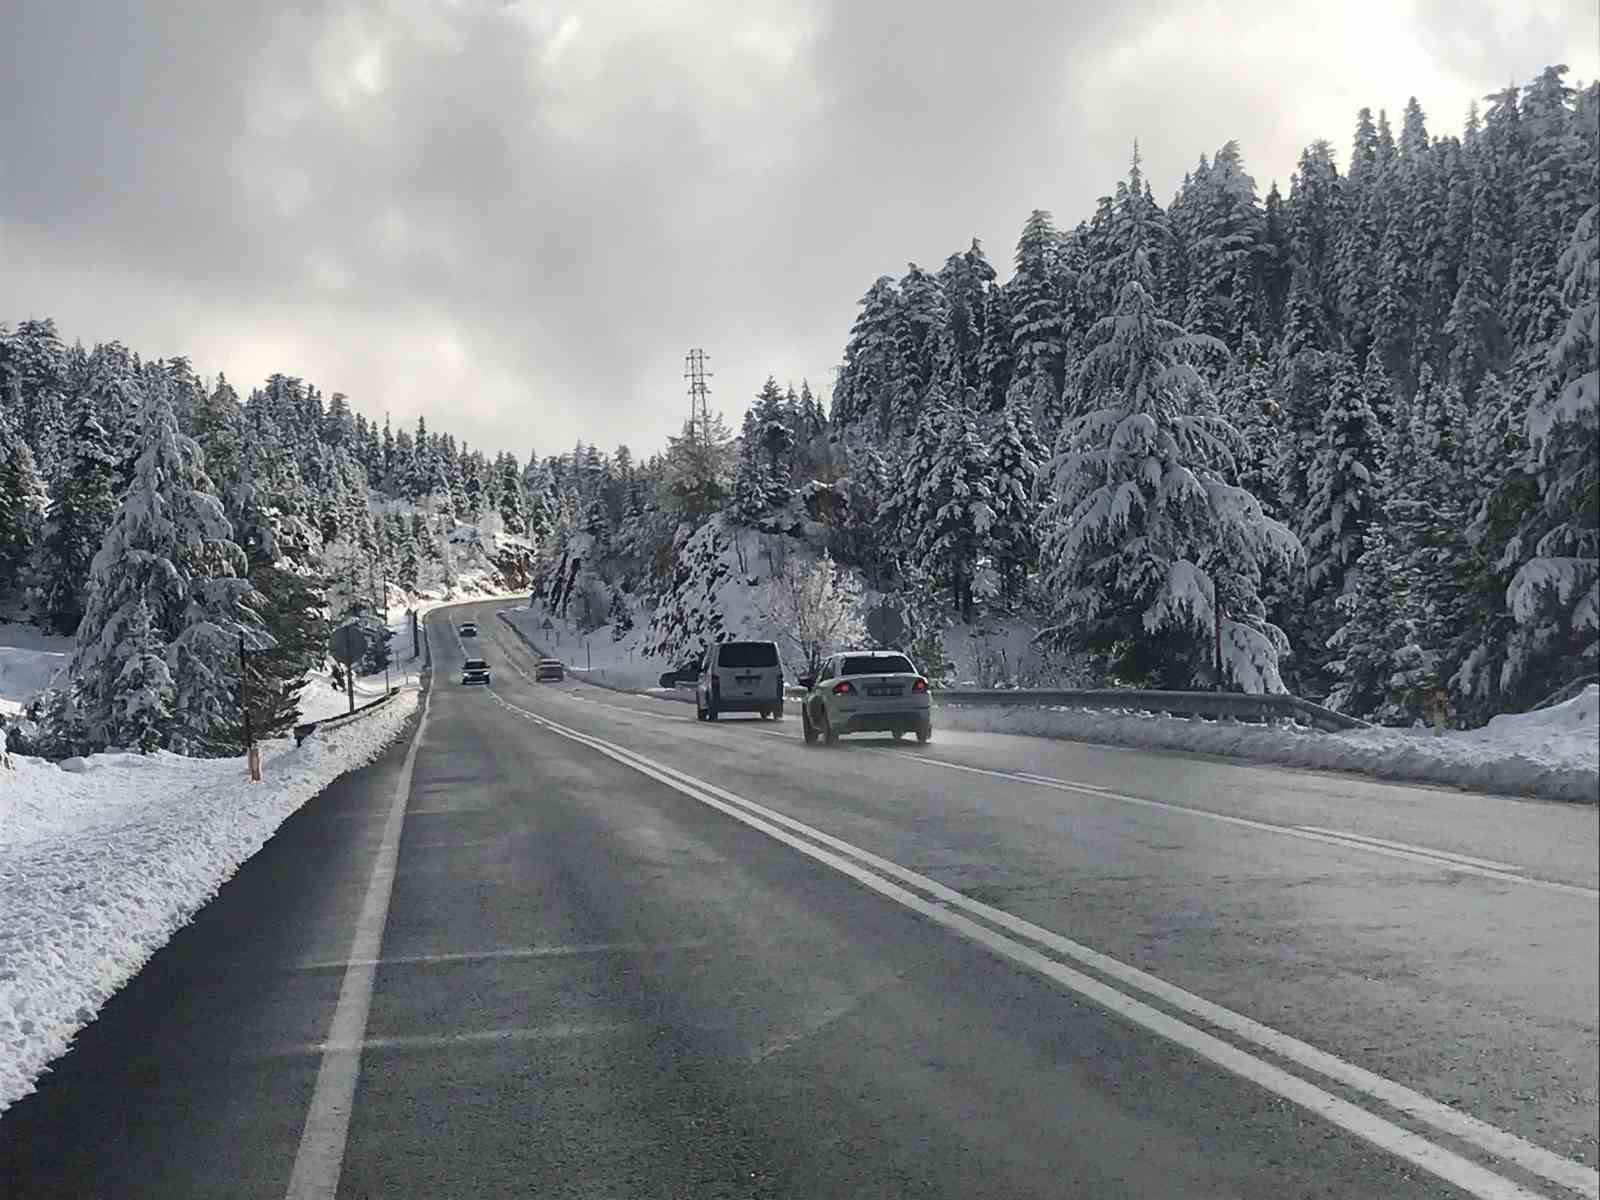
pixel 549 670
pixel 474 670
pixel 739 677
pixel 469 629
pixel 866 690
pixel 685 672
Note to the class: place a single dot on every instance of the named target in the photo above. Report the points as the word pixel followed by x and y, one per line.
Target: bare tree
pixel 815 607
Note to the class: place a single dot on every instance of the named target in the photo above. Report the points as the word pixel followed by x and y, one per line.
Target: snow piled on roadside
pixel 1553 753
pixel 103 859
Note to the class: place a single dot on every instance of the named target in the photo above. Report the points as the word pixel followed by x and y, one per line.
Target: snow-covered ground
pixel 1553 753
pixel 593 656
pixel 100 864
pixel 29 660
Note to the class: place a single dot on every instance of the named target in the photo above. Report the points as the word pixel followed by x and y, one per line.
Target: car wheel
pixel 777 713
pixel 829 734
pixel 925 733
pixel 699 713
pixel 711 711
pixel 898 734
pixel 807 728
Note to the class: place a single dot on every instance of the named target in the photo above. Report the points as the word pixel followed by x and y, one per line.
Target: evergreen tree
pixel 1038 328
pixel 81 504
pixel 22 515
pixel 870 376
pixel 1144 535
pixel 955 506
pixel 144 695
pixel 1016 457
pixel 620 618
pixel 169 552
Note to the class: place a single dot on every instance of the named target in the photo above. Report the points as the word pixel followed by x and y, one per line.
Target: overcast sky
pixel 517 217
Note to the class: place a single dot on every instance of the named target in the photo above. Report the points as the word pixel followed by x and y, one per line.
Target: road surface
pixel 564 942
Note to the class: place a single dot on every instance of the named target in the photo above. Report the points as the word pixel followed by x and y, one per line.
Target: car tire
pixel 711 711
pixel 699 713
pixel 830 736
pixel 777 713
pixel 925 733
pixel 807 728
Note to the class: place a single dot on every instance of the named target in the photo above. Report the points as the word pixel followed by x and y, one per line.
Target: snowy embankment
pixel 1553 753
pixel 100 866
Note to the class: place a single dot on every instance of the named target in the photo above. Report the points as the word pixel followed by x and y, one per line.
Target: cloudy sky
pixel 517 217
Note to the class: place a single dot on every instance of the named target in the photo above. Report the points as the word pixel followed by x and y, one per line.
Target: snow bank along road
pixel 566 942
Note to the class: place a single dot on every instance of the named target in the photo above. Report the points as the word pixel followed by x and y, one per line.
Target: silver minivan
pixel 740 677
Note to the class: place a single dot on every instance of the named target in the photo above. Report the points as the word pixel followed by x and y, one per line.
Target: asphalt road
pixel 571 943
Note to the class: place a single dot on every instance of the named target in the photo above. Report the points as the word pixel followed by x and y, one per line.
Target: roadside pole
pixel 251 752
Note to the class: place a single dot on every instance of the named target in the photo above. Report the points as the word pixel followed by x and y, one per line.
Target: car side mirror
pixel 807 681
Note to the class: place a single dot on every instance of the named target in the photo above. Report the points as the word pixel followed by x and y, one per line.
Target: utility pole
pixel 694 370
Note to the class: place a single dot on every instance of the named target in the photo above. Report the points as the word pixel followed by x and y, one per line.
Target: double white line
pixel 1043 952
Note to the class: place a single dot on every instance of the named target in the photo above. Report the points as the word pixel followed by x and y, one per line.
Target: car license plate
pixel 883 690
pixel 747 679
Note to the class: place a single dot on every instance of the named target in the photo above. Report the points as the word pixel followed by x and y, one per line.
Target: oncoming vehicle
pixel 685 672
pixel 866 690
pixel 469 629
pixel 740 677
pixel 549 670
pixel 474 670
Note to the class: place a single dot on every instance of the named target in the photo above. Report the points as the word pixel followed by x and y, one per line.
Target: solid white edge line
pixel 320 1157
pixel 1437 1160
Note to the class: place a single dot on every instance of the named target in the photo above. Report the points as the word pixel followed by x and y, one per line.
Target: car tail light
pixel 921 685
pixel 843 689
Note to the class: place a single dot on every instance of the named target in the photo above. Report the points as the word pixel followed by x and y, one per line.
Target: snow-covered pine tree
pixel 870 376
pixel 81 504
pixel 23 502
pixel 620 617
pixel 144 693
pixel 1344 499
pixel 169 550
pixel 1221 297
pixel 1554 596
pixel 995 360
pixel 1248 399
pixel 1038 327
pixel 955 507
pixel 1144 535
pixel 1015 457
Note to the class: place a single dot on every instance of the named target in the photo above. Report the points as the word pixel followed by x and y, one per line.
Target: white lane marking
pixel 538 1033
pixel 1402 1142
pixel 1487 863
pixel 320 1157
pixel 520 952
pixel 1433 858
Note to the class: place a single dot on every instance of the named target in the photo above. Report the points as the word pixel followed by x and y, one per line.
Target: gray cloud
pixel 517 217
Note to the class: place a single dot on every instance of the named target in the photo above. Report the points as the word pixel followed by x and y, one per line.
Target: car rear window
pixel 877 664
pixel 748 654
pixel 475 664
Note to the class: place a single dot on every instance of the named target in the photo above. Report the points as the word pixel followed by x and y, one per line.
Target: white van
pixel 740 677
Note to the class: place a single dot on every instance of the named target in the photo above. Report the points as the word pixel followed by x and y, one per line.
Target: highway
pixel 566 942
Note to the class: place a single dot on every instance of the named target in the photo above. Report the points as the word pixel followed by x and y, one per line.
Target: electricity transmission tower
pixel 694 370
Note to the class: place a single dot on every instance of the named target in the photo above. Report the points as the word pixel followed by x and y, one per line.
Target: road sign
pixel 348 643
pixel 885 625
pixel 548 624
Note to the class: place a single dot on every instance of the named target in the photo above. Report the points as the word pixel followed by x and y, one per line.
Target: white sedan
pixel 866 690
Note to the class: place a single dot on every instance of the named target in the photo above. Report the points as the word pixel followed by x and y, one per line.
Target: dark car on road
pixel 474 670
pixel 549 670
pixel 469 629
pixel 684 673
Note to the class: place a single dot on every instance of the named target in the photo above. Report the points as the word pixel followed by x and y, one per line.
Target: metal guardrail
pixel 1239 706
pixel 307 728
